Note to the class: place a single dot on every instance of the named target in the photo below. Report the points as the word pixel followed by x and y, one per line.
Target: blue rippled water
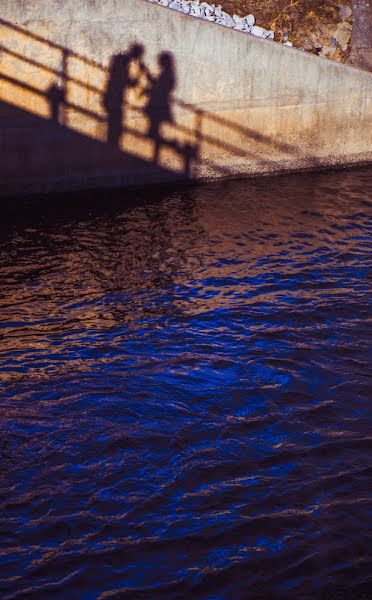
pixel 185 393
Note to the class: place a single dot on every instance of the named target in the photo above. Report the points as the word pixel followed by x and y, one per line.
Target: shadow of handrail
pixel 202 120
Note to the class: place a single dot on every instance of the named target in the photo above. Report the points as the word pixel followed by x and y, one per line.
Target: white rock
pixel 223 18
pixel 215 14
pixel 208 11
pixel 177 5
pixel 228 21
pixel 258 31
pixel 196 9
pixel 250 20
pixel 240 24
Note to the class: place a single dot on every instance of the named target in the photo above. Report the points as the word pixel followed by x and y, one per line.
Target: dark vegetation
pixel 314 25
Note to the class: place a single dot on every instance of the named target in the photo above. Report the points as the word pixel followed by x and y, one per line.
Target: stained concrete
pixel 239 105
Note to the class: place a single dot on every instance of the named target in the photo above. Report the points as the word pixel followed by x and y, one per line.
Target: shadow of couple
pixel 129 72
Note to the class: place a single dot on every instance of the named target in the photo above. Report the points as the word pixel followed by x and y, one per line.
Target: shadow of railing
pixel 68 89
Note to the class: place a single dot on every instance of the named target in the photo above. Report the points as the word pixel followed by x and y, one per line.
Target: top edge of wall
pixel 255 40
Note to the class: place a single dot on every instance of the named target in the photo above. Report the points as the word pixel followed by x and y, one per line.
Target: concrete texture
pixel 361 35
pixel 221 103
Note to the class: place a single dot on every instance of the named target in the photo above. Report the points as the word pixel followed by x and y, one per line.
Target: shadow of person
pixel 159 108
pixel 56 97
pixel 114 97
pixel 56 93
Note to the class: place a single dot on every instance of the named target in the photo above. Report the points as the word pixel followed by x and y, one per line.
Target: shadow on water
pixel 86 121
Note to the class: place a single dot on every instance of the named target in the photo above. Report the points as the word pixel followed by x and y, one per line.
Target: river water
pixel 185 395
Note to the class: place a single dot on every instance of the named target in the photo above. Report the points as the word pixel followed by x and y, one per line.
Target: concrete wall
pixel 240 105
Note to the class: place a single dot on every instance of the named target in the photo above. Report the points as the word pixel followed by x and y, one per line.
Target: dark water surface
pixel 185 395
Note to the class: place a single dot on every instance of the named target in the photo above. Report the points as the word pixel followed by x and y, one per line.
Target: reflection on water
pixel 184 393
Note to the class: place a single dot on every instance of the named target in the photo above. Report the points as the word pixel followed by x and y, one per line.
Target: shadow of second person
pixel 159 105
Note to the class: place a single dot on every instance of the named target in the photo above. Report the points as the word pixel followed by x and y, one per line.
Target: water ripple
pixel 185 393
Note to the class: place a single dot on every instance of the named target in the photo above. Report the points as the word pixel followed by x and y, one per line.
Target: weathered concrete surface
pixel 240 105
pixel 361 36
